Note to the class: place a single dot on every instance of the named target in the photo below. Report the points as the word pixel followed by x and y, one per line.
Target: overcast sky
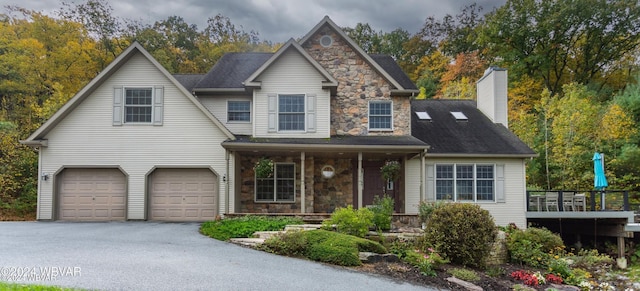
pixel 279 20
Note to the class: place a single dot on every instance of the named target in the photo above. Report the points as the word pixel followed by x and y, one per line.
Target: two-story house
pixel 138 143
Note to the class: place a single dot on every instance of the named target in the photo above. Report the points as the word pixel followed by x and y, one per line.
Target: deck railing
pixel 613 200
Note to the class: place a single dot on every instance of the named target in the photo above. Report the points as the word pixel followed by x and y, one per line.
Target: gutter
pixel 432 155
pixel 35 142
pixel 333 147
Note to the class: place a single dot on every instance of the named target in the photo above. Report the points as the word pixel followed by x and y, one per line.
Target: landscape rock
pixel 369 258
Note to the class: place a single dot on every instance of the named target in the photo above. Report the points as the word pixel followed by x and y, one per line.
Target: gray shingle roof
pixel 233 69
pixel 393 69
pixel 188 80
pixel 478 135
pixel 408 141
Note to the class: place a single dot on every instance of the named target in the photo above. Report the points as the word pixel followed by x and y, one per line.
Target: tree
pixel 455 35
pixel 561 42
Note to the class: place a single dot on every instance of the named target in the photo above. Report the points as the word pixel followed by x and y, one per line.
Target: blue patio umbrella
pixel 599 180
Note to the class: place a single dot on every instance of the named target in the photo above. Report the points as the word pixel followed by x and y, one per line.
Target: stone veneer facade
pixel 358 83
pixel 322 195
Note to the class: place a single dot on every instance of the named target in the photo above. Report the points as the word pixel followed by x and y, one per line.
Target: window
pixel 465 182
pixel 278 188
pixel 239 111
pixel 291 112
pixel 380 116
pixel 138 105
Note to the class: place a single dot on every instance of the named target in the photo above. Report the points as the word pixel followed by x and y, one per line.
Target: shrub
pixel 592 260
pixel 245 226
pixel 426 208
pixel 339 249
pixel 533 246
pixel 464 274
pixel 425 262
pixel 462 232
pixel 350 221
pixel 290 243
pixel 382 209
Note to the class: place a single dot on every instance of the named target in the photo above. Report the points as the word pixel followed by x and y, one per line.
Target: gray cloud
pixel 279 20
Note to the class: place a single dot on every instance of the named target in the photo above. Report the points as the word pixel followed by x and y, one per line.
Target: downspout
pixel 39 190
pixel 422 174
pixel 226 182
pixel 303 192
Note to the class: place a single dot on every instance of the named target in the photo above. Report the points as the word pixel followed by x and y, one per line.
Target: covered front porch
pixel 316 176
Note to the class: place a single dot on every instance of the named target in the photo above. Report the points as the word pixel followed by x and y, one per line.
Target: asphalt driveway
pixel 159 256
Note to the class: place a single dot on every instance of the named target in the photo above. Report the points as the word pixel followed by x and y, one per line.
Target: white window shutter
pixel 117 105
pixel 500 191
pixel 158 105
pixel 311 112
pixel 272 112
pixel 430 191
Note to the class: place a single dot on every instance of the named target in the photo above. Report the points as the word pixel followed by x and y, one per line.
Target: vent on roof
pixel 326 40
pixel 423 115
pixel 459 116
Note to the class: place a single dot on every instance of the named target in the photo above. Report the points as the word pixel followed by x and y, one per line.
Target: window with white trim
pixel 380 115
pixel 138 105
pixel 280 187
pixel 465 182
pixel 291 112
pixel 239 111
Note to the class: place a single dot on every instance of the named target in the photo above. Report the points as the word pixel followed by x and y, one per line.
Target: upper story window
pixel 291 113
pixel 380 115
pixel 239 111
pixel 138 105
pixel 465 182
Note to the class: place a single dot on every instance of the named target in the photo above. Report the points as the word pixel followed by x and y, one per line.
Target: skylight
pixel 423 115
pixel 459 115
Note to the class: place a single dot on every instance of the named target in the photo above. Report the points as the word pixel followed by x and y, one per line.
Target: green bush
pixel 533 246
pixel 290 243
pixel 382 209
pixel 245 226
pixel 464 274
pixel 350 221
pixel 426 208
pixel 339 249
pixel 462 232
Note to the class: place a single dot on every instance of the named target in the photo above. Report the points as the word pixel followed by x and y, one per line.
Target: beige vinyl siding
pixel 512 210
pixel 412 185
pixel 87 138
pixel 291 74
pixel 217 105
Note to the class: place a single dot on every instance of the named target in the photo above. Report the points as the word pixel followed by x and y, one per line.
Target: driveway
pixel 159 256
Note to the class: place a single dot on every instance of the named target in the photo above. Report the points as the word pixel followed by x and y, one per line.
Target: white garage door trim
pixel 182 194
pixel 91 194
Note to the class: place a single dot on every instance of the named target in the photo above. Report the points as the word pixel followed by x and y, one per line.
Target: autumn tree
pixel 560 42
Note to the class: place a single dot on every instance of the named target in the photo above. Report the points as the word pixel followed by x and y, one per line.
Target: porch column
pixel 225 179
pixel 360 180
pixel 303 192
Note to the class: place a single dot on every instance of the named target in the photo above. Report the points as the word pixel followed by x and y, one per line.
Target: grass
pixel 30 287
pixel 245 226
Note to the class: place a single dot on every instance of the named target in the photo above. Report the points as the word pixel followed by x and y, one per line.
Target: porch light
pixel 328 172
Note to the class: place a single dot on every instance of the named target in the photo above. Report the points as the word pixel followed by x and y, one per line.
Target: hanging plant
pixel 263 168
pixel 391 170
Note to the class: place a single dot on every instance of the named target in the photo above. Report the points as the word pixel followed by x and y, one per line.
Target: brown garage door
pixel 92 194
pixel 182 195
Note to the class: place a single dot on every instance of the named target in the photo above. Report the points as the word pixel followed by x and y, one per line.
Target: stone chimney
pixel 492 95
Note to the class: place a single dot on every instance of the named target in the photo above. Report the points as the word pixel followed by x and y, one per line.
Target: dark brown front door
pixel 374 185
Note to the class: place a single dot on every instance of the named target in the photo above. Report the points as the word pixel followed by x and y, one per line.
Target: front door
pixel 375 185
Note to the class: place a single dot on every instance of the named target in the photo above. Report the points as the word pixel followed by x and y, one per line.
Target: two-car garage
pixel 100 194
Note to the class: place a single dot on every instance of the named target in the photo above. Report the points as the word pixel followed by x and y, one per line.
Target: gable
pixel 152 67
